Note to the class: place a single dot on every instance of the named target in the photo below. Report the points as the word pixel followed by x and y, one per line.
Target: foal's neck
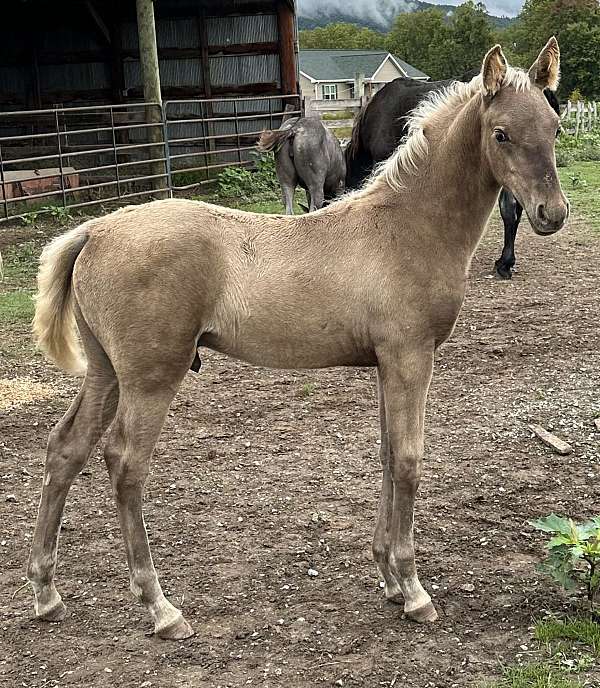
pixel 454 187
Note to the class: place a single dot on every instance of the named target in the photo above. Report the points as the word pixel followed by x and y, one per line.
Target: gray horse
pixel 306 153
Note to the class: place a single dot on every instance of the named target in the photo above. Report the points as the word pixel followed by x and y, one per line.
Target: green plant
pixel 58 212
pixel 250 184
pixel 308 389
pixel 30 218
pixel 573 553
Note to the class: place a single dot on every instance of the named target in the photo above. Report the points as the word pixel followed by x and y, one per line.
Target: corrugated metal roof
pixel 341 65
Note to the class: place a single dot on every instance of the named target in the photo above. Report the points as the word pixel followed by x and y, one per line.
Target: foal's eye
pixel 500 136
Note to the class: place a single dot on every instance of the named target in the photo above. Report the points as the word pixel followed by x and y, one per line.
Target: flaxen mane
pixel 415 148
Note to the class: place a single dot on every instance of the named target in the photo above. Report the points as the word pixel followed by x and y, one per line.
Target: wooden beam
pixel 287 47
pixel 100 23
pixel 204 53
pixel 117 75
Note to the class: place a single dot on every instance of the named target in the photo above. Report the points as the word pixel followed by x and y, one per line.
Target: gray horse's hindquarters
pixel 308 155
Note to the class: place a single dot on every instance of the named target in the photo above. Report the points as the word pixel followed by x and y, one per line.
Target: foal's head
pixel 519 129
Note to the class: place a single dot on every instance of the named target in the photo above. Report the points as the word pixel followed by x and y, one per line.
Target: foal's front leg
pixel 404 382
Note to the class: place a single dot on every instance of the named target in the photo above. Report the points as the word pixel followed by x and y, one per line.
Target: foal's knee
pixel 406 471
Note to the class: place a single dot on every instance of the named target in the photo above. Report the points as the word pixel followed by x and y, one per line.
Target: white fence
pixel 580 116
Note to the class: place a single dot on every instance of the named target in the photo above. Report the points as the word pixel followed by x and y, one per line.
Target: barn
pixel 91 89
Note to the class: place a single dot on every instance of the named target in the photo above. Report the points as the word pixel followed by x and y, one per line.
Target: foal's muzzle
pixel 550 218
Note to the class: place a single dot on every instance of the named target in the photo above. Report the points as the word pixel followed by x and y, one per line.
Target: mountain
pixel 378 15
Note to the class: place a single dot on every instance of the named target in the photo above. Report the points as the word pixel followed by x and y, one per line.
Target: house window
pixel 329 91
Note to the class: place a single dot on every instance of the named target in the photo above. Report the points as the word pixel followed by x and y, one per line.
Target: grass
pixel 261 206
pixel 581 184
pixel 571 646
pixel 341 114
pixel 308 389
pixel 342 132
pixel 534 676
pixel 16 307
pixel 583 631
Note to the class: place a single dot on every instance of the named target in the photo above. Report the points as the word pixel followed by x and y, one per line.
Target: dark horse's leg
pixel 511 211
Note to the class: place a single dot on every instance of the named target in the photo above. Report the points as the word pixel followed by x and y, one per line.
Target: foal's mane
pixel 414 148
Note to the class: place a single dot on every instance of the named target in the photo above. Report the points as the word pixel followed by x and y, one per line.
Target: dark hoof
pixel 503 271
pixel 55 613
pixel 178 630
pixel 425 614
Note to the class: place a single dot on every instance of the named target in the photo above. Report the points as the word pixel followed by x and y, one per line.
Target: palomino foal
pixel 364 282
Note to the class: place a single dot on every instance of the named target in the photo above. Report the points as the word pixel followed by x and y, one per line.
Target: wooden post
pixel 148 50
pixel 151 82
pixel 287 47
pixel 208 128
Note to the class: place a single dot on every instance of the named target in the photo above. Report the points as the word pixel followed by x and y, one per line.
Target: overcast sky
pixel 373 8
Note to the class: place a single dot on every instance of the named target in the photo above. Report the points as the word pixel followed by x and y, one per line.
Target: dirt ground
pixel 260 475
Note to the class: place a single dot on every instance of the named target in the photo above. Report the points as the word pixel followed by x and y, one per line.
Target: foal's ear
pixel 493 70
pixel 545 71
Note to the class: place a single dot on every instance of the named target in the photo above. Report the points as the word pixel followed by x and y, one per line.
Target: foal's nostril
pixel 541 213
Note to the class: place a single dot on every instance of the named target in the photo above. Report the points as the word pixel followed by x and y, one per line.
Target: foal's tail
pixel 273 140
pixel 54 325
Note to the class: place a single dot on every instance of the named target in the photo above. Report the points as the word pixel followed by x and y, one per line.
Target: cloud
pixel 383 11
pixel 375 11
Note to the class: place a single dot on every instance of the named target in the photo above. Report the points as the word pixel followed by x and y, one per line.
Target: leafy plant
pixel 30 218
pixel 577 180
pixel 573 553
pixel 58 212
pixel 250 184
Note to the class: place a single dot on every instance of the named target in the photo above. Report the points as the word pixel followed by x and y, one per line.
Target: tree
pixel 443 48
pixel 413 37
pixel 342 36
pixel 576 24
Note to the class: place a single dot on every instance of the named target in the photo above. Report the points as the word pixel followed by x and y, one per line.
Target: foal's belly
pixel 276 344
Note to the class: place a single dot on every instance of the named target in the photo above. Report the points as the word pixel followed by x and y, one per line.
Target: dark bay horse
pixel 382 124
pixel 376 278
pixel 308 154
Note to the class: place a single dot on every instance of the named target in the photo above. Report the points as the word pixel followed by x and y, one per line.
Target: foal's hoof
pixel 424 614
pixel 178 630
pixel 57 612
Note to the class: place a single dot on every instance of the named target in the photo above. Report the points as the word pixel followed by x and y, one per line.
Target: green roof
pixel 343 65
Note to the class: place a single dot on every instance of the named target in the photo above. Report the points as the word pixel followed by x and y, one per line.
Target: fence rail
pixel 580 116
pixel 82 156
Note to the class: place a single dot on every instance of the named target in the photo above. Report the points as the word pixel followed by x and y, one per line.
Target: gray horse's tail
pixel 54 322
pixel 354 145
pixel 273 140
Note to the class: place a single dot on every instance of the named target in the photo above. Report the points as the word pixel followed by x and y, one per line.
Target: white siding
pixel 388 72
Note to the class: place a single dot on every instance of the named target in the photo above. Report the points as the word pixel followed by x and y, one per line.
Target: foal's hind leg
pixel 381 540
pixel 139 419
pixel 69 447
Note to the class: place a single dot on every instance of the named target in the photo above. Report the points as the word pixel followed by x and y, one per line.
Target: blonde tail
pixel 54 326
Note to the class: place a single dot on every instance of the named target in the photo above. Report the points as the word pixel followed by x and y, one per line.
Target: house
pixel 349 74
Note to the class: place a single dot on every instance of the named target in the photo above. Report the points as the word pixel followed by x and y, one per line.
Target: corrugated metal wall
pixel 89 82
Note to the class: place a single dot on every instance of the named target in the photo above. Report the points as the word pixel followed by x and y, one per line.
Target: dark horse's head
pixel 518 133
